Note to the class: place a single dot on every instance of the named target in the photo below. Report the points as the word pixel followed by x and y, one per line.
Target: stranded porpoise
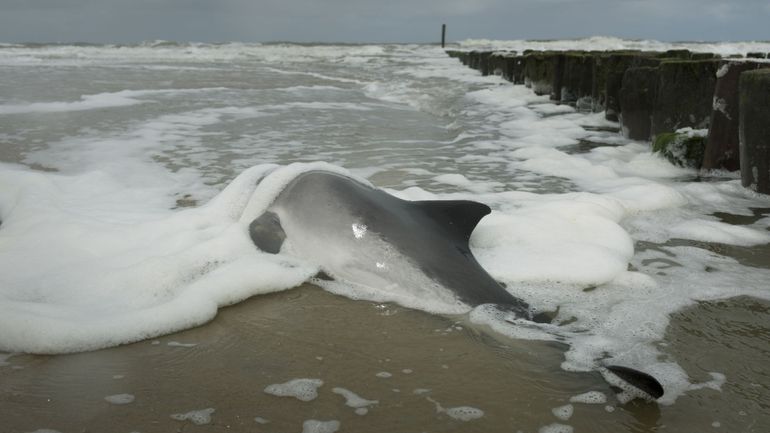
pixel 365 236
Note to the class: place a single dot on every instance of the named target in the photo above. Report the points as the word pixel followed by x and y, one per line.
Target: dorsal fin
pixel 458 216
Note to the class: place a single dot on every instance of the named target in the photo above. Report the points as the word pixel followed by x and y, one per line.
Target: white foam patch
pixel 460 413
pixel 556 428
pixel 555 240
pixel 120 399
pixel 550 109
pixel 461 181
pixel 194 55
pixel 590 397
pixel 506 323
pixel 113 271
pixel 564 413
pixel 316 426
pixel 86 102
pixel 301 389
pixel 716 382
pixel 178 344
pixel 122 98
pixel 464 413
pixel 715 231
pixel 360 404
pixel 197 417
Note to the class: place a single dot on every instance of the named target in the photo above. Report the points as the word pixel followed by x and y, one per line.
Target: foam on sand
pixel 360 404
pixel 301 389
pixel 590 397
pixel 316 426
pixel 556 428
pixel 564 413
pixel 197 417
pixel 460 413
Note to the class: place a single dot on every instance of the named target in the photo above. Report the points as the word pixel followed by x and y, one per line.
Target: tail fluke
pixel 632 383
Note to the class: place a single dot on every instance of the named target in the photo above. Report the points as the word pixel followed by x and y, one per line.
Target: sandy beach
pixel 432 363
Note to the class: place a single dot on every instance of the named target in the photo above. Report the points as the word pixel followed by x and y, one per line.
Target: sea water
pixel 129 175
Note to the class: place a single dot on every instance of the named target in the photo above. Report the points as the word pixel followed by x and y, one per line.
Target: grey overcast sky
pixel 379 20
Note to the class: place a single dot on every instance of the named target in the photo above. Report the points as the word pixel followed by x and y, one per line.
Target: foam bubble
pixel 316 426
pixel 301 389
pixel 556 428
pixel 714 231
pixel 464 413
pixel 590 397
pixel 716 382
pixel 197 417
pixel 460 413
pixel 564 413
pixel 354 400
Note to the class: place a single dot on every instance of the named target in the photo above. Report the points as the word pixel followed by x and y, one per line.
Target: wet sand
pixel 308 333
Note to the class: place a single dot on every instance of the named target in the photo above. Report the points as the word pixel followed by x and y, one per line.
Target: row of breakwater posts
pixel 697 109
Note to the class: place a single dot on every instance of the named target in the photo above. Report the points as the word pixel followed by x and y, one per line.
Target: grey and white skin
pixel 413 249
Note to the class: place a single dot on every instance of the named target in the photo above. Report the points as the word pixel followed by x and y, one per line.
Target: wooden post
pixel 754 129
pixel 443 35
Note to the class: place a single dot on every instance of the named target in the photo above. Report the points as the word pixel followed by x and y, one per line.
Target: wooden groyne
pixel 655 94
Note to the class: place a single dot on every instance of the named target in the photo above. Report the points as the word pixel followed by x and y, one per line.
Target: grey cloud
pixel 376 21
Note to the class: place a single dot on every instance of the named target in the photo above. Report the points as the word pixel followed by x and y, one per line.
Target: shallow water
pixel 128 176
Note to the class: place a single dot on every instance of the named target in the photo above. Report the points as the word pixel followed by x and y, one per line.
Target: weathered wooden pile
pixel 655 94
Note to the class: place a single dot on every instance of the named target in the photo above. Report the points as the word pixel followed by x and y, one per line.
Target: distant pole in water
pixel 443 35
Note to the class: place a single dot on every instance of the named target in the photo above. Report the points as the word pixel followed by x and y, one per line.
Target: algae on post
pixel 685 149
